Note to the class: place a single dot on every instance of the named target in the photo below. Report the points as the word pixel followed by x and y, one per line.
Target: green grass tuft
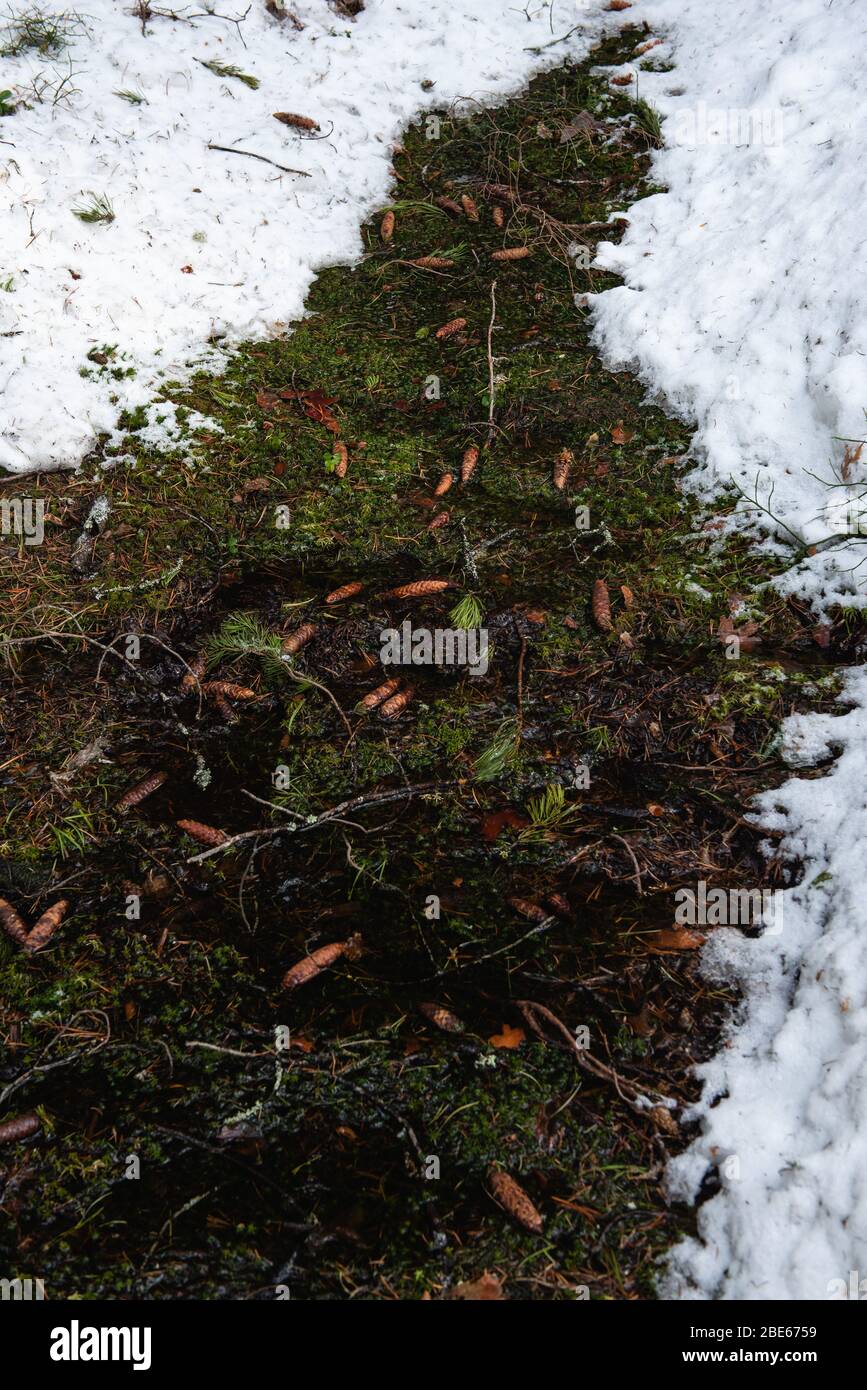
pixel 229 70
pixel 99 209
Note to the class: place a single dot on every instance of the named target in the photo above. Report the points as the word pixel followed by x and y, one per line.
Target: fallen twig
pixel 355 803
pixel 229 149
pixel 491 426
pixel 642 1101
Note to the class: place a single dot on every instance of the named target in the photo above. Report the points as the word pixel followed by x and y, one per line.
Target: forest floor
pixel 515 840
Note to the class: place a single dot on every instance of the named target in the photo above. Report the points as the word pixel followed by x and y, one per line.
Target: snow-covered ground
pixel 745 303
pixel 206 244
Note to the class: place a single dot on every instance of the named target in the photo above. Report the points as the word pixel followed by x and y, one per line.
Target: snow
pixel 745 306
pixel 208 248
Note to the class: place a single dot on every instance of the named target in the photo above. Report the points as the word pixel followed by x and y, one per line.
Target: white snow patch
pixel 207 246
pixel 745 304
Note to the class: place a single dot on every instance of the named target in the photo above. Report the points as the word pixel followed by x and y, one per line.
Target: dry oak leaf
pixel 510 1037
pixel 601 606
pixel 493 824
pixel 487 1289
pixel 674 939
pixel 619 435
pixel 850 456
pixel 583 124
pixel 745 633
pixel 314 403
pixel 515 1200
pixel 449 329
pixel 296 122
